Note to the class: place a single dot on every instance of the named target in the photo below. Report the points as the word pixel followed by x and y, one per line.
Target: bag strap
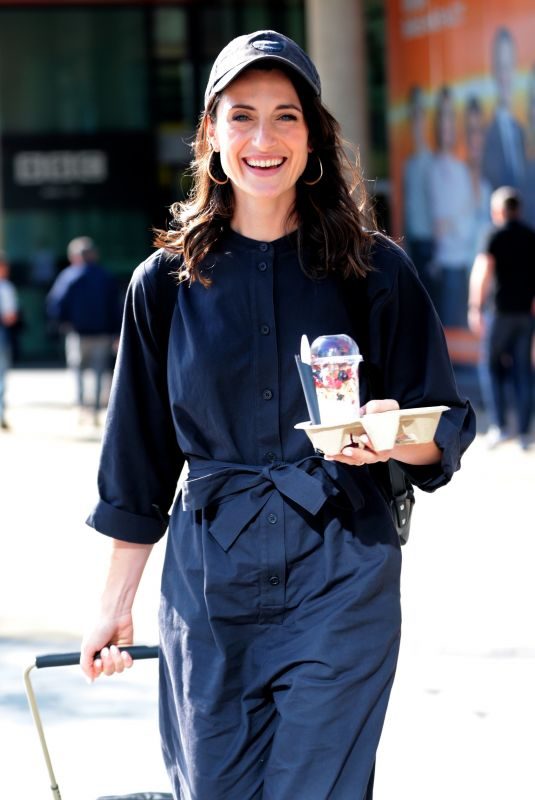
pixel 391 476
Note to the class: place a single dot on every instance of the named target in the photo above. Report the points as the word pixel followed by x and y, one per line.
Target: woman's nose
pixel 264 135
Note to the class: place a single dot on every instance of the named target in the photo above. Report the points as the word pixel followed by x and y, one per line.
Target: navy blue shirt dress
pixel 280 607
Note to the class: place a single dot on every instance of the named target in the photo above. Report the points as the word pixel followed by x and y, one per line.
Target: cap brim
pixel 233 73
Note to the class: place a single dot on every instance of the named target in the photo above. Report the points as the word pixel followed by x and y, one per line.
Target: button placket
pixel 266 355
pixel 271 522
pixel 272 593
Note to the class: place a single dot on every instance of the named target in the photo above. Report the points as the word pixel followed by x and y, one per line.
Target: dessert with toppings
pixel 335 362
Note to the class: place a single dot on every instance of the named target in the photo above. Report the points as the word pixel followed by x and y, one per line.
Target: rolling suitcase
pixel 72 659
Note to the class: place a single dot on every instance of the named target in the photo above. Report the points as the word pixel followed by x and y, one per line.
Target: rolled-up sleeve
pixel 140 460
pixel 408 348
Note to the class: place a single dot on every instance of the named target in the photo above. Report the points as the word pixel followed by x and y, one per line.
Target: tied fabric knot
pixel 307 483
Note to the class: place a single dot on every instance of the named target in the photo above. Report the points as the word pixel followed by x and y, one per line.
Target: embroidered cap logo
pixel 268 45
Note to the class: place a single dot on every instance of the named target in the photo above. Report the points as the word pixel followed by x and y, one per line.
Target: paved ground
pixel 461 719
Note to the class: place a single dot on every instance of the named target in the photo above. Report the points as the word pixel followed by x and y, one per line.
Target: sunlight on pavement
pixel 461 716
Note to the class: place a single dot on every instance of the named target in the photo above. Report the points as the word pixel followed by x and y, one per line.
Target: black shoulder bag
pixel 401 500
pixel 399 493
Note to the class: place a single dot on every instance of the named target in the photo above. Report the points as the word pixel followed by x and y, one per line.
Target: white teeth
pixel 269 162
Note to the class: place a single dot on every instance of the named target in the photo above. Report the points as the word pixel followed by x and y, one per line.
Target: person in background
pixel 9 312
pixel 418 225
pixel 280 608
pixel 504 158
pixel 502 283
pixel 451 207
pixel 84 302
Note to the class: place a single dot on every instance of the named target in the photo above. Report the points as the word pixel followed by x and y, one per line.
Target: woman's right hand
pixel 113 626
pixel 106 636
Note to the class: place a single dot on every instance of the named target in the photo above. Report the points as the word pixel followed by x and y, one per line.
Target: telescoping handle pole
pixel 65 660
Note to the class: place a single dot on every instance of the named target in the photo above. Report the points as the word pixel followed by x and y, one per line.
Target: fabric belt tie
pixel 307 483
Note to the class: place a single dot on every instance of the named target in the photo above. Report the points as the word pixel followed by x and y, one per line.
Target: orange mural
pixel 461 118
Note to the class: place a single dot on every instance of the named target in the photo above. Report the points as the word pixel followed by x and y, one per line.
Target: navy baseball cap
pixel 245 50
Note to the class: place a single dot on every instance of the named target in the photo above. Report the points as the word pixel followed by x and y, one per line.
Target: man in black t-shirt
pixel 502 284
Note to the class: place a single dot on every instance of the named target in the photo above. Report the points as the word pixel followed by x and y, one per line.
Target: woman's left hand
pixel 361 452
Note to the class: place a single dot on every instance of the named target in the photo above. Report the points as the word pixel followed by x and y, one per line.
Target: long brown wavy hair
pixel 335 218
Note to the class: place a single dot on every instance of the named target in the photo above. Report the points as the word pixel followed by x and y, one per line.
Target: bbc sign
pixel 111 170
pixel 60 167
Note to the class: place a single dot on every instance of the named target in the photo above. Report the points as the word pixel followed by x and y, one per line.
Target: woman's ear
pixel 210 133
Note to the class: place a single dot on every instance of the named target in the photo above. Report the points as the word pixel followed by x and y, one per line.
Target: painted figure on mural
pixel 474 135
pixel 504 159
pixel 528 191
pixel 418 225
pixel 451 207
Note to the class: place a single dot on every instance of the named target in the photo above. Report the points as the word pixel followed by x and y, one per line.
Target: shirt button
pixel 274 580
pixel 270 456
pixel 262 266
pixel 263 247
pixel 272 519
pixel 264 330
pixel 267 394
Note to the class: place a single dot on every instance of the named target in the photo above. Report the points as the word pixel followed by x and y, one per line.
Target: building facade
pixel 99 102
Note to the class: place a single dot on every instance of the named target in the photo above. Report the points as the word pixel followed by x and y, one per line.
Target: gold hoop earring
pixel 215 180
pixel 313 183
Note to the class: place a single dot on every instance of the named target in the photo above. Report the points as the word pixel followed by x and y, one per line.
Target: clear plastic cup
pixel 335 363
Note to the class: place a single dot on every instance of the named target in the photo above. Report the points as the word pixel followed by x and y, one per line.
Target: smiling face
pixel 262 137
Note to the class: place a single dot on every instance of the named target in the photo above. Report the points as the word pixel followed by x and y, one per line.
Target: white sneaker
pixel 494 437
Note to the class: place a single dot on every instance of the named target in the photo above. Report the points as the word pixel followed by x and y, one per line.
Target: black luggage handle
pixel 138 653
pixel 68 660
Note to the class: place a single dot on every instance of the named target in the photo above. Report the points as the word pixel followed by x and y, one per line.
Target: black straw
pixel 307 382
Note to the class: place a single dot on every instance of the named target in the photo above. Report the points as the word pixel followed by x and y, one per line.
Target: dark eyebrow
pixel 280 107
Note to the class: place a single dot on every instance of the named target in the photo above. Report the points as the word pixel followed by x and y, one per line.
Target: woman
pixel 280 613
